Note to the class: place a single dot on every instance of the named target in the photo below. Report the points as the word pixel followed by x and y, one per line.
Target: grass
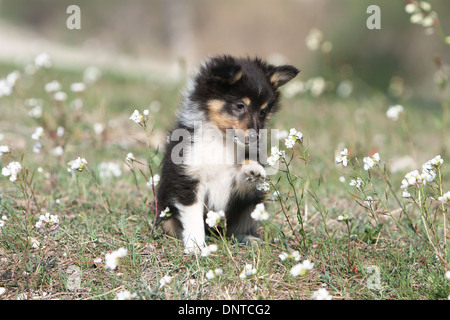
pixel 98 215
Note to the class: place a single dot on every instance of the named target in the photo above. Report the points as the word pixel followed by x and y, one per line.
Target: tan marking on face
pixel 222 120
pixel 263 106
pixel 246 100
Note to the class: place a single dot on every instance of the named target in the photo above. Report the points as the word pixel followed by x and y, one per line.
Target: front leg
pixel 192 221
pixel 252 172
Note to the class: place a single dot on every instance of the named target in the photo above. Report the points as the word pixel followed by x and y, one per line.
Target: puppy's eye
pixel 263 113
pixel 240 105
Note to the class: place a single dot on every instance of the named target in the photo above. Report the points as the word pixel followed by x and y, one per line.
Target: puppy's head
pixel 239 93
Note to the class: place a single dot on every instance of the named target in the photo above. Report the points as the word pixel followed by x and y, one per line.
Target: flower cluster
pixel 4 150
pixel 112 259
pixel 295 255
pixel 48 224
pixel 393 112
pixel 165 280
pixel 78 164
pixel 206 251
pixel 321 294
pixel 138 117
pixel 343 217
pixel 369 162
pixel 445 198
pixel 3 221
pixel 130 158
pixel 213 218
pixel 12 170
pixel 421 13
pixel 165 213
pixel 248 271
pixel 211 274
pixel 263 186
pixel 7 84
pixel 275 155
pixel 260 213
pixel 343 157
pixel 414 178
pixel 293 137
pixel 358 183
pixel 302 268
pixel 125 295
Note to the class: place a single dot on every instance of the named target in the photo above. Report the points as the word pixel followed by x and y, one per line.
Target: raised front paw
pixel 253 171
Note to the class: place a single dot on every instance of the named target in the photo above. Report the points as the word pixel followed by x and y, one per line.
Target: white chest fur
pixel 210 161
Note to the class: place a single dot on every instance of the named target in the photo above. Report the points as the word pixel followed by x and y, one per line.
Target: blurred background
pixel 165 38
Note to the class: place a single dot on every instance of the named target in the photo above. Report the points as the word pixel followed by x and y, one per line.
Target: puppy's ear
pixel 227 73
pixel 279 76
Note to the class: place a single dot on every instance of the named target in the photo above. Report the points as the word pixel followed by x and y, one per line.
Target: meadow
pixel 348 217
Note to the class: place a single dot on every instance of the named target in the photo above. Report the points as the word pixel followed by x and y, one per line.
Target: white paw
pixel 193 246
pixel 253 171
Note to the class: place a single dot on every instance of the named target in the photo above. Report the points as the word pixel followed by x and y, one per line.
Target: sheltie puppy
pixel 212 157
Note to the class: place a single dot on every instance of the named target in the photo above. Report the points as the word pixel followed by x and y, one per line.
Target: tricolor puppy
pixel 211 161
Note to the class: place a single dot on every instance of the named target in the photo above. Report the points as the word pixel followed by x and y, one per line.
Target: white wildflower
pixel 369 162
pixel 283 256
pixel 77 87
pixel 343 157
pixel 445 198
pixel 137 117
pixel 247 271
pixel 35 112
pixel 125 295
pixel 321 294
pixel 260 213
pixel 165 280
pixel 12 170
pixel 78 164
pixel 4 150
pixel 153 181
pixel 42 61
pixel 53 86
pixel 165 212
pixel 293 137
pixel 276 154
pixel 206 251
pixel 263 186
pixel 48 224
pixel 211 274
pixel 406 194
pixel 358 183
pixel 98 128
pixel 38 133
pixel 393 112
pixel 213 218
pixel 112 259
pixel 302 268
pixel 60 96
pixel 130 157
